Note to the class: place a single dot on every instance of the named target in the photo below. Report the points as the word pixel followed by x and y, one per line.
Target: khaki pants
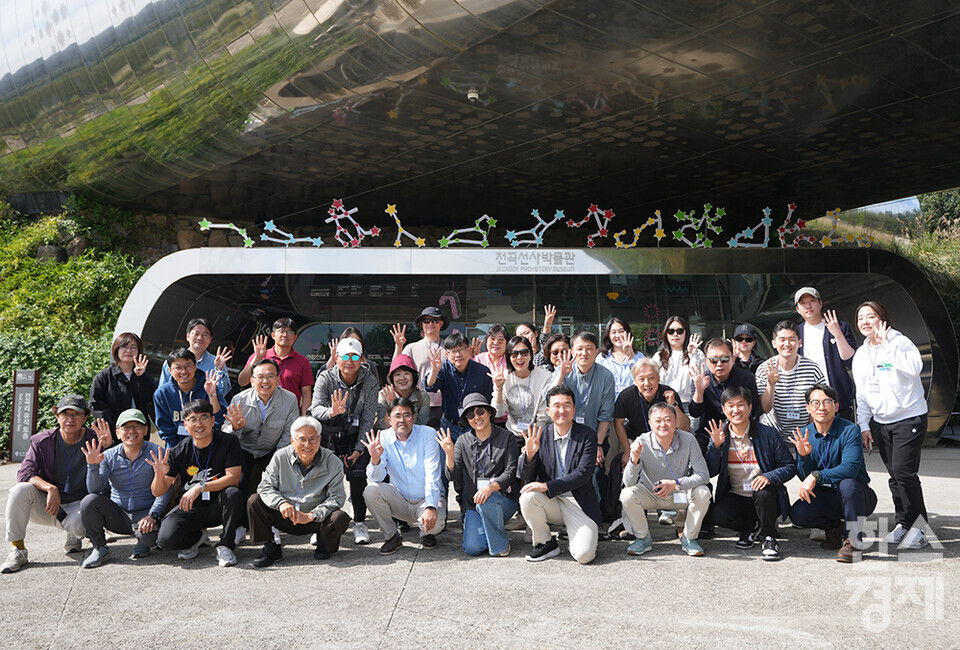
pixel 639 498
pixel 25 503
pixel 386 503
pixel 540 511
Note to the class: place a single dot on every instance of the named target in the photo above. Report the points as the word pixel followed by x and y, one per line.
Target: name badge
pixel 482 483
pixel 795 415
pixel 182 430
pixel 747 487
pixel 206 496
pixel 579 419
pixel 355 420
pixel 297 507
pixel 679 497
pixel 874 387
pixel 523 425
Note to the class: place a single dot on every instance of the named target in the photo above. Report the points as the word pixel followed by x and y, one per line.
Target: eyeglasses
pixel 300 440
pixel 429 321
pixel 675 330
pixel 180 368
pixel 715 360
pixel 815 403
pixel 265 377
pixel 350 357
pixel 196 419
pixel 127 346
pixel 283 332
pixel 744 339
pixel 520 353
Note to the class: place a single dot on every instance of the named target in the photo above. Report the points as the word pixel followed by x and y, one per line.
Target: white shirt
pixel 813 346
pixel 887 377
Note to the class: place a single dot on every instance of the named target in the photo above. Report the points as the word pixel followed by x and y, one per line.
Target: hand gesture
pixel 210 385
pixel 388 393
pixel 626 344
pixel 665 488
pixel 536 486
pixel 773 371
pixel 701 380
pixel 160 462
pixel 549 313
pixel 759 483
pixel 399 334
pixel 476 346
pixel 832 322
pixel 499 378
pixel 566 362
pixel 435 361
pixel 445 439
pixel 428 519
pixel 287 510
pixel 881 329
pixel 189 497
pixel 223 355
pixel 374 448
pixel 806 488
pixel 235 415
pixel 140 365
pixel 670 397
pixel 801 442
pixel 259 347
pixel 338 403
pixel 717 436
pixel 531 440
pixel 694 343
pixel 333 348
pixel 636 447
pixel 147 525
pixel 94 452
pixel 481 495
pixel 102 429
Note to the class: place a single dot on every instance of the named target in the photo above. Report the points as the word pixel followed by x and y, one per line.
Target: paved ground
pixel 441 598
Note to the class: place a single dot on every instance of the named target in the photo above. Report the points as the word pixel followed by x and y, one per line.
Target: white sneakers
pixel 914 539
pixel 14 561
pixel 360 533
pixel 896 535
pixel 193 551
pixel 225 556
pixel 73 544
pixel 240 537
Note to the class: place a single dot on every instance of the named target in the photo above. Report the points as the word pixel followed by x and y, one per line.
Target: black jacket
pixel 111 392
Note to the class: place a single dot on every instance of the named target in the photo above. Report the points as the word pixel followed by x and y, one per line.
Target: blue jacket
pixel 581 461
pixel 838 455
pixel 775 461
pixel 168 401
pixel 837 368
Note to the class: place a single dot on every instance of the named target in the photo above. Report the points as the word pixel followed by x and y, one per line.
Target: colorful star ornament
pixel 748 233
pixel 833 237
pixel 419 241
pixel 536 233
pixel 659 234
pixel 695 224
pixel 481 226
pixel 269 226
pixel 205 225
pixel 786 228
pixel 601 218
pixel 337 212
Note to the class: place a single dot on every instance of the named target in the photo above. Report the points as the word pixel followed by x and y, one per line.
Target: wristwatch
pixel 816 475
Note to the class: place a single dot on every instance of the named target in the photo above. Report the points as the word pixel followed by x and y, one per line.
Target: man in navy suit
pixel 557 466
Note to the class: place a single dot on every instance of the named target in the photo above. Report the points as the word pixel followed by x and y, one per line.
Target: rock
pixel 189 238
pixel 77 245
pixel 51 252
pixel 218 238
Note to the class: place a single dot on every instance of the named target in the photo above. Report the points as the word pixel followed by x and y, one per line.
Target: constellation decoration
pixel 787 229
pixel 269 226
pixel 652 336
pixel 636 232
pixel 536 233
pixel 205 225
pixel 692 222
pixel 601 218
pixel 833 237
pixel 419 241
pixel 394 112
pixel 337 212
pixel 455 236
pixel 748 233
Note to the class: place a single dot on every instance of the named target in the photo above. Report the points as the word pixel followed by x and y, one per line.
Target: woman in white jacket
pixel 892 413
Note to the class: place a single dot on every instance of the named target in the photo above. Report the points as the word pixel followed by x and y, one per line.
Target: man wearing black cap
pixel 431 322
pixel 745 339
pixel 52 480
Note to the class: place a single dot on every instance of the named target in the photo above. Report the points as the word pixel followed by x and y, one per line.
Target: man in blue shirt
pixel 456 378
pixel 410 455
pixel 835 494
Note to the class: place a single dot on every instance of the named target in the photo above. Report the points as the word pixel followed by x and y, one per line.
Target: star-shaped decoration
pixel 484 243
pixel 355 242
pixel 515 243
pixel 603 232
pixel 792 206
pixel 825 241
pixel 767 221
pixel 391 209
pixel 748 233
pixel 422 81
pixel 660 234
pixel 421 242
pixel 539 240
pixel 204 224
pixel 374 232
pixel 444 242
pixel 392 114
pixel 248 243
pixel 511 235
pixel 721 212
pixel 491 223
pixel 535 213
pixel 593 209
pixel 397 244
pixel 801 224
pixel 650 222
pixel 269 225
pixel 317 242
pixel 636 231
pixel 732 242
pixel 608 214
pixel 707 242
pixel 558 214
pixel 570 223
pixel 337 204
pixel 590 243
pixel 263 237
pixel 678 234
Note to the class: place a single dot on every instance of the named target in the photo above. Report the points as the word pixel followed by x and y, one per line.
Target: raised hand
pixel 210 385
pixel 388 393
pixel 626 344
pixel 499 377
pixel 773 371
pixel 399 334
pixel 701 380
pixel 549 313
pixel 93 452
pixel 717 436
pixel 801 440
pixel 102 429
pixel 671 397
pixel 436 362
pixel 531 440
pixel 338 403
pixel 566 362
pixel 235 415
pixel 374 448
pixel 333 348
pixel 476 346
pixel 223 355
pixel 259 347
pixel 636 447
pixel 140 365
pixel 694 343
pixel 160 461
pixel 445 438
pixel 832 322
pixel 881 329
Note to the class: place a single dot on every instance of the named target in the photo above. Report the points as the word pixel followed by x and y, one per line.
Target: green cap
pixel 131 415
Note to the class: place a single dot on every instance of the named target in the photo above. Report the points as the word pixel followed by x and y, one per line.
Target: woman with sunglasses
pixel 483 467
pixel 678 353
pixel 124 384
pixel 892 413
pixel 518 393
pixel 744 341
pixel 553 349
pixel 616 352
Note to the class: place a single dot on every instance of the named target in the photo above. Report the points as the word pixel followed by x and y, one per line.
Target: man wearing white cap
pixel 827 341
pixel 345 403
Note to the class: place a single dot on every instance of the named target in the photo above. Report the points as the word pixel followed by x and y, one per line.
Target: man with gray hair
pixel 301 493
pixel 666 471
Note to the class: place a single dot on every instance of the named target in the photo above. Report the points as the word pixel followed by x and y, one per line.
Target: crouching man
pixel 301 493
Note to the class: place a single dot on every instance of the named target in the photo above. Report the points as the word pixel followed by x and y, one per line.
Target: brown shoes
pixel 833 540
pixel 848 553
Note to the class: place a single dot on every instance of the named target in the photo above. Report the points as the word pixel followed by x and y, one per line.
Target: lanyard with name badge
pixel 203 477
pixel 63 448
pixel 483 481
pixel 580 419
pixel 747 486
pixel 525 402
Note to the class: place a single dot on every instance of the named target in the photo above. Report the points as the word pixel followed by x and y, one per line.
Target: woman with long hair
pixel 616 352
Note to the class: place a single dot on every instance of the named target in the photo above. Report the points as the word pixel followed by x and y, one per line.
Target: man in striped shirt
pixel 783 380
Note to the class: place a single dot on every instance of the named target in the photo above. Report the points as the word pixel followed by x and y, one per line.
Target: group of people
pixel 533 430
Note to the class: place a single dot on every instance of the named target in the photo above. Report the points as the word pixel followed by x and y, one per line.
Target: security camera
pixel 473 95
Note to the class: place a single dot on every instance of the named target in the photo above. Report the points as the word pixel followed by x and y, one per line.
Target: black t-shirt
pixel 69 470
pixel 189 463
pixel 631 405
pixel 751 365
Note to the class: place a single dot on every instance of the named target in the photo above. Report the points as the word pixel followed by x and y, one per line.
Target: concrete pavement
pixel 441 598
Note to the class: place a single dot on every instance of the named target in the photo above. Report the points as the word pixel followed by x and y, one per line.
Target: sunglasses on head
pixel 744 339
pixel 350 357
pixel 675 330
pixel 716 360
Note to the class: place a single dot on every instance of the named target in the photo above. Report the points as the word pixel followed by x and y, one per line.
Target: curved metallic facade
pixel 260 108
pixel 244 291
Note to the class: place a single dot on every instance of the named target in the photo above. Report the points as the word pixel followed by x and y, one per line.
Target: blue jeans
pixel 835 505
pixel 483 528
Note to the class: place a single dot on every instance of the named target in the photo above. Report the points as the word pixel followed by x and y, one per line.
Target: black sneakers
pixel 770 550
pixel 271 553
pixel 544 551
pixel 747 540
pixel 391 545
